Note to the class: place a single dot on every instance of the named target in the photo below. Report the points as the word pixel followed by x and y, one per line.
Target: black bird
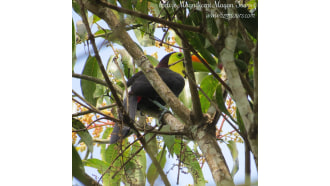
pixel 140 91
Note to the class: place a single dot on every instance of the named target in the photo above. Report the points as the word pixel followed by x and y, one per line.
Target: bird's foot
pixel 163 113
pixel 162 107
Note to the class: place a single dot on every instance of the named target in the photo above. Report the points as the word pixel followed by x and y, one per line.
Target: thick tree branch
pixel 235 83
pixel 214 157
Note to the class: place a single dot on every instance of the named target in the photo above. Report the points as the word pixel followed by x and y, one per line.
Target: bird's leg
pixel 162 107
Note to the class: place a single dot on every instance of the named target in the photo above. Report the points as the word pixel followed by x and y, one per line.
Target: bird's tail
pixel 123 132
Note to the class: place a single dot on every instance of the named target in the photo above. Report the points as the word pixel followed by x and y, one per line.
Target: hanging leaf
pixel 240 121
pixel 220 100
pixel 110 154
pixel 153 174
pixel 100 165
pixel 234 153
pixel 76 7
pixel 208 85
pixel 84 135
pixel 169 140
pixel 195 41
pixel 87 87
pixel 152 144
pixel 189 160
pixel 185 96
pixel 136 168
pixel 126 61
pixel 152 60
pixel 143 39
pixel 78 170
pixel 105 135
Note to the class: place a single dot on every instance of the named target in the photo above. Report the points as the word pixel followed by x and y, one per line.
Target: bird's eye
pixel 180 55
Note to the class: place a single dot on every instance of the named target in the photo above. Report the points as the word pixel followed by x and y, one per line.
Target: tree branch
pixel 196 103
pixel 150 18
pixel 214 157
pixel 90 111
pixel 235 83
pixel 96 80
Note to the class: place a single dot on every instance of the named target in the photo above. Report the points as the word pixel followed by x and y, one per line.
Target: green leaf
pixel 234 153
pixel 126 61
pixel 76 7
pixel 200 67
pixel 220 100
pixel 96 18
pixel 153 174
pixel 113 68
pixel 135 169
pixel 142 6
pixel 198 42
pixel 141 156
pixel 78 170
pixel 240 121
pixel 241 65
pixel 108 35
pixel 185 96
pixel 111 153
pixel 169 141
pixel 155 8
pixel 143 39
pixel 153 60
pixel 208 85
pixel 105 135
pixel 152 144
pixel 212 26
pixel 190 161
pixel 200 76
pixel 100 165
pixel 126 4
pixel 81 31
pixel 84 135
pixel 87 87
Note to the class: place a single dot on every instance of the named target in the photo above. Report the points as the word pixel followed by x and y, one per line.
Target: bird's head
pixel 174 61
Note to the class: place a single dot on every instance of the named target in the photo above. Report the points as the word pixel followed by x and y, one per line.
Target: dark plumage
pixel 140 91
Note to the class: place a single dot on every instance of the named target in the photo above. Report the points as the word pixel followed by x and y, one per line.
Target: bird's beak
pixel 195 59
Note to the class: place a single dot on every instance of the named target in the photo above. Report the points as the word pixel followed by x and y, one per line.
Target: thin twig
pixel 89 78
pixel 86 128
pixel 90 111
pixel 91 107
pixel 179 166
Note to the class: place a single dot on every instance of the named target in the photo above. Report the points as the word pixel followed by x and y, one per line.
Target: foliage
pixel 128 163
